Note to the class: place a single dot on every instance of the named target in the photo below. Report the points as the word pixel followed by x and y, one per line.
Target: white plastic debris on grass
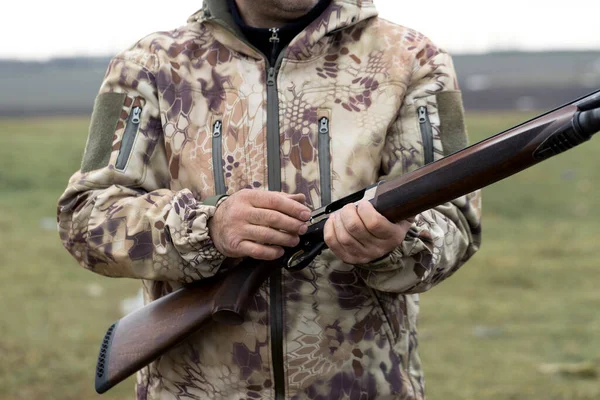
pixel 94 290
pixel 482 331
pixel 48 224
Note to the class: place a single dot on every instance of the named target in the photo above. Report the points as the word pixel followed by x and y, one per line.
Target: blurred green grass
pixel 529 297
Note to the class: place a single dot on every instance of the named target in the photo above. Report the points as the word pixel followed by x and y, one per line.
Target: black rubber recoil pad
pixel 102 365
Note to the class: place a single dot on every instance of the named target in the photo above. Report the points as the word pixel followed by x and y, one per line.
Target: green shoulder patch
pixel 107 110
pixel 453 131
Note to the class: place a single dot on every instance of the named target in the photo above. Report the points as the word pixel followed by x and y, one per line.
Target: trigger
pixel 302 259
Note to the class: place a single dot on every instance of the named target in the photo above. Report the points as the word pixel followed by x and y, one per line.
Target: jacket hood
pixel 340 15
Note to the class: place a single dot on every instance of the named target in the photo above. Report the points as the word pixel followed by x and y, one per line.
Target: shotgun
pixel 142 336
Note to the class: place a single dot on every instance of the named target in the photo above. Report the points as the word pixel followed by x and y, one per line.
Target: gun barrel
pixel 589 121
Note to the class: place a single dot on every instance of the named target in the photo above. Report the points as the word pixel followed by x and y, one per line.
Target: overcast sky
pixel 43 29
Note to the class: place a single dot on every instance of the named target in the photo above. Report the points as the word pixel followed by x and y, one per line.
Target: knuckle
pixel 256 216
pixel 373 224
pixel 243 194
pixel 261 235
pixel 352 224
pixel 233 243
pixel 273 201
pixel 345 240
pixel 271 218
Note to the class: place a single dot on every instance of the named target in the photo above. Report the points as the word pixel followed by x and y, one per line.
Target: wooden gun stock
pixel 142 336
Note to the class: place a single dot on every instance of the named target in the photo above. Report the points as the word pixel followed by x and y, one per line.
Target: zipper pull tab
pixel 136 114
pixel 274 43
pixel 324 126
pixel 271 77
pixel 274 35
pixel 422 114
pixel 217 128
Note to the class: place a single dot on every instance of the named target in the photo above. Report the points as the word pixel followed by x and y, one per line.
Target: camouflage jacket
pixel 186 114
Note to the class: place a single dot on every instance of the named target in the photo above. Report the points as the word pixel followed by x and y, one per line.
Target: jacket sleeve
pixel 118 217
pixel 444 238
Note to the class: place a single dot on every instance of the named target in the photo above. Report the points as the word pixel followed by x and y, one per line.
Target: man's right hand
pixel 257 223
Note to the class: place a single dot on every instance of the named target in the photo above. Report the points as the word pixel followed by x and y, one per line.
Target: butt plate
pixel 102 384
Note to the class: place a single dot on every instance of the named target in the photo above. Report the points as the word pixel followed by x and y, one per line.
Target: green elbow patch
pixel 453 132
pixel 105 117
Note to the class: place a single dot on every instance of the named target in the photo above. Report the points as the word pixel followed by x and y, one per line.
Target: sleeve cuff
pixel 414 243
pixel 191 238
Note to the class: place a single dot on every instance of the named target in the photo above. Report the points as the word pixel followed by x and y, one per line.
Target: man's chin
pixel 294 8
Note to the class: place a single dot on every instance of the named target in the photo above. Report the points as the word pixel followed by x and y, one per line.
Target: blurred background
pixel 519 321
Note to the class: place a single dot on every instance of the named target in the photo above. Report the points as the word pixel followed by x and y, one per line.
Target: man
pixel 311 100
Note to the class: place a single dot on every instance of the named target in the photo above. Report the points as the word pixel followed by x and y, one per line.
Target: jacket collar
pixel 340 14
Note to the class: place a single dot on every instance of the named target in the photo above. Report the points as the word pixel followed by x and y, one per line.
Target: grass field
pixel 529 298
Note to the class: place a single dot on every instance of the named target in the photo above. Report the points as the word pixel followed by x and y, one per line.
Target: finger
pixel 355 227
pixel 262 234
pixel 405 225
pixel 276 220
pixel 260 251
pixel 299 197
pixel 278 202
pixel 329 235
pixel 350 245
pixel 378 225
pixel 401 229
pixel 338 248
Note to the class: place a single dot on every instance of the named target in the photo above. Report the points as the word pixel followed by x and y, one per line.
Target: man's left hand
pixel 358 234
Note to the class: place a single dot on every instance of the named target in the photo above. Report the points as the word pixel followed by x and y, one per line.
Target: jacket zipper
pixel 426 134
pixel 133 123
pixel 274 178
pixel 324 161
pixel 274 183
pixel 273 144
pixel 217 157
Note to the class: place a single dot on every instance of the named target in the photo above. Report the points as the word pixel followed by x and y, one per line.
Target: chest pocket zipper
pixel 324 160
pixel 217 157
pixel 133 124
pixel 426 134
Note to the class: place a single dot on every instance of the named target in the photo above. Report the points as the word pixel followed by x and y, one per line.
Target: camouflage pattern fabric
pixel 350 330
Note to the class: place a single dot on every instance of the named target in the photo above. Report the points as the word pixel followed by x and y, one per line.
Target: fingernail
pixel 303 229
pixel 305 215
